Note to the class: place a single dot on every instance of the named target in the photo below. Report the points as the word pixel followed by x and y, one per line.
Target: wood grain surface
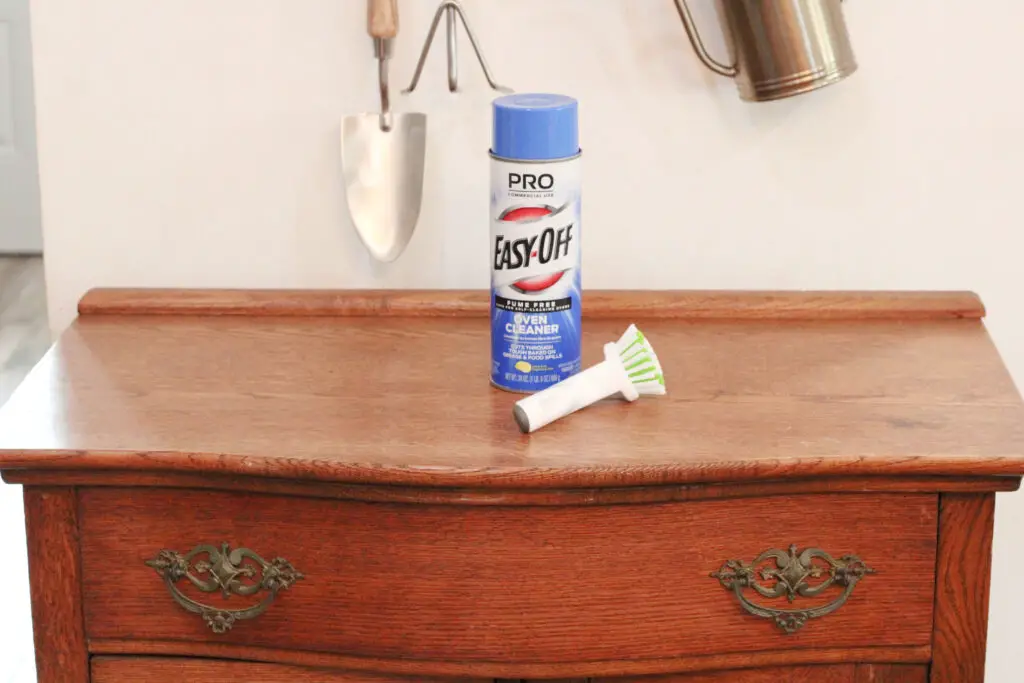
pixel 891 673
pixel 962 587
pixel 844 673
pixel 51 521
pixel 495 496
pixel 186 670
pixel 516 671
pixel 509 584
pixel 407 401
pixel 677 304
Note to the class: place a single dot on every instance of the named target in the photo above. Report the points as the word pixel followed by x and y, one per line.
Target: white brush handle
pixel 576 392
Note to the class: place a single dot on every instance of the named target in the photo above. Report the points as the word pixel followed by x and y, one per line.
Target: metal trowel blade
pixel 383 175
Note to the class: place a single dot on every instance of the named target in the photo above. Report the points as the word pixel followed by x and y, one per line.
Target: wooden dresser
pixel 322 486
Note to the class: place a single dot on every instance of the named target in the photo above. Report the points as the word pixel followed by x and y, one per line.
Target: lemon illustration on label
pixel 523 366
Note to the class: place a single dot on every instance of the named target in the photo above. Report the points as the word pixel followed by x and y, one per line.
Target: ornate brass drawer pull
pixel 223 571
pixel 789 577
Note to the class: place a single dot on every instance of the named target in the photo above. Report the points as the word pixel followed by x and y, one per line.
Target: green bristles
pixel 640 362
pixel 637 339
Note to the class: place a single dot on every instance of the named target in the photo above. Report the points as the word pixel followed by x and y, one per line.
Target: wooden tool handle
pixel 383 18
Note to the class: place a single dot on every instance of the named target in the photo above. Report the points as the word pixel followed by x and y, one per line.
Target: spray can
pixel 535 241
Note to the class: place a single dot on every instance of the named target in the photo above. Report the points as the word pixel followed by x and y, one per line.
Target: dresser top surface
pixel 393 388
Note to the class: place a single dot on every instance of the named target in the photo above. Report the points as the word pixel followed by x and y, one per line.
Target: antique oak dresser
pixel 322 486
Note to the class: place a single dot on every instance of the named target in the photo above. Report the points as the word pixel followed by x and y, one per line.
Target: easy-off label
pixel 535 274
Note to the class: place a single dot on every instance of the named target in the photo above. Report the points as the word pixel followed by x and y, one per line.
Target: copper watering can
pixel 779 48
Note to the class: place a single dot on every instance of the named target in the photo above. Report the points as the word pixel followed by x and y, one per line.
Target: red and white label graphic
pixel 542 246
pixel 535 230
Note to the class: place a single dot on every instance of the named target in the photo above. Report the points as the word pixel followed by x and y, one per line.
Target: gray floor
pixel 24 333
pixel 24 338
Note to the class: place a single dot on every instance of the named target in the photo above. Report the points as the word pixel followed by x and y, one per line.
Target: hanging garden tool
pixel 382 155
pixel 450 9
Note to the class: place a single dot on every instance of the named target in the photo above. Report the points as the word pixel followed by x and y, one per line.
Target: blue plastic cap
pixel 535 127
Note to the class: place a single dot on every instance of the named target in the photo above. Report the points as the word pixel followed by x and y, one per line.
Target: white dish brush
pixel 630 369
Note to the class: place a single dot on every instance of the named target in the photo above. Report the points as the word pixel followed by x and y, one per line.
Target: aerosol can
pixel 535 241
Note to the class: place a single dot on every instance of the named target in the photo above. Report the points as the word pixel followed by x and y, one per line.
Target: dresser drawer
pixel 530 584
pixel 149 669
pixel 837 673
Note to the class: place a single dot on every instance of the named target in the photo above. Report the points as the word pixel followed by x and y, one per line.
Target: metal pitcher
pixel 779 48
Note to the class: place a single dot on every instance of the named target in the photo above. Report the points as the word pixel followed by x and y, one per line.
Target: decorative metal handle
pixel 225 569
pixel 789 577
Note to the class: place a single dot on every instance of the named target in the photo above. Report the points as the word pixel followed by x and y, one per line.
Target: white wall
pixel 194 143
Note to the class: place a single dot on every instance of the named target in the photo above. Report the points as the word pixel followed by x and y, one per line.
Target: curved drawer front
pixel 838 673
pixel 509 584
pixel 148 669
